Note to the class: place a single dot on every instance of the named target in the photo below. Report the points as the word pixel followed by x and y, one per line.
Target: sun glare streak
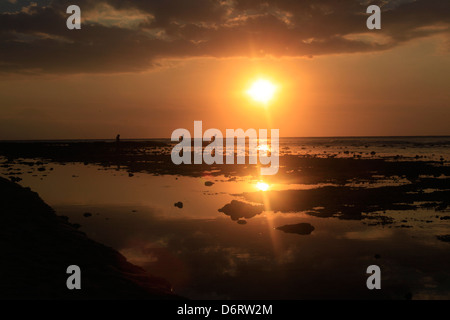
pixel 269 215
pixel 262 91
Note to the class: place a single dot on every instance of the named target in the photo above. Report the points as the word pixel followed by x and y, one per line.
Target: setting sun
pixel 262 90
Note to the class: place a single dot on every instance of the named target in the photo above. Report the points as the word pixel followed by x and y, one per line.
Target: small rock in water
pixel 178 204
pixel 238 209
pixel 209 183
pixel 130 174
pixel 445 238
pixel 242 221
pixel 87 214
pixel 299 228
pixel 15 179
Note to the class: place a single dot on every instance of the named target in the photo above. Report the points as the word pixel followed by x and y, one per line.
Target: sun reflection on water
pixel 262 186
pixel 263 147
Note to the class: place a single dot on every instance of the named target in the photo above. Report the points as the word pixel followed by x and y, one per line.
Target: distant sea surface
pixel 426 147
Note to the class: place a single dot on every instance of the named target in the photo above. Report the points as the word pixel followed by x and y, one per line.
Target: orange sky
pixel 400 91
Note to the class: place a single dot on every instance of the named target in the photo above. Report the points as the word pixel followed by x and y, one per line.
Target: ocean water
pixel 431 147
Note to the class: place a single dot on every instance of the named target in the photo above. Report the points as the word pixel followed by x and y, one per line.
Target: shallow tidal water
pixel 205 254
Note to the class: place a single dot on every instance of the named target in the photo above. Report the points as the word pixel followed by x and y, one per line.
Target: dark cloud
pixel 131 35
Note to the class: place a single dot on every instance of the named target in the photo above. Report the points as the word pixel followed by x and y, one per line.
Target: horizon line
pixel 286 137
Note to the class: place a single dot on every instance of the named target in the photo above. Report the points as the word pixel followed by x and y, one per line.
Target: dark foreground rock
pixel 37 246
pixel 299 228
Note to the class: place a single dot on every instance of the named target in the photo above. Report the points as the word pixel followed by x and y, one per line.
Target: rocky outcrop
pixel 37 246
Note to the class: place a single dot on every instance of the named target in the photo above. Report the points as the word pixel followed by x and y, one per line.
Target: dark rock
pixel 178 204
pixel 445 238
pixel 238 209
pixel 403 226
pixel 87 214
pixel 209 183
pixel 37 247
pixel 299 228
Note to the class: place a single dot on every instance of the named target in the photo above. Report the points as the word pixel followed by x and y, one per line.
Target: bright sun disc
pixel 262 91
pixel 262 186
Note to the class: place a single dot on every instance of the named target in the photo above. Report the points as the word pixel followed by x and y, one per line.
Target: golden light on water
pixel 262 186
pixel 262 90
pixel 263 147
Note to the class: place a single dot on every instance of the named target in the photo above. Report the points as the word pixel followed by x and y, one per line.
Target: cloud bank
pixel 133 35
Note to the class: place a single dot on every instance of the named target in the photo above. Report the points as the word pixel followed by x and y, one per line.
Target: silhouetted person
pixel 118 143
